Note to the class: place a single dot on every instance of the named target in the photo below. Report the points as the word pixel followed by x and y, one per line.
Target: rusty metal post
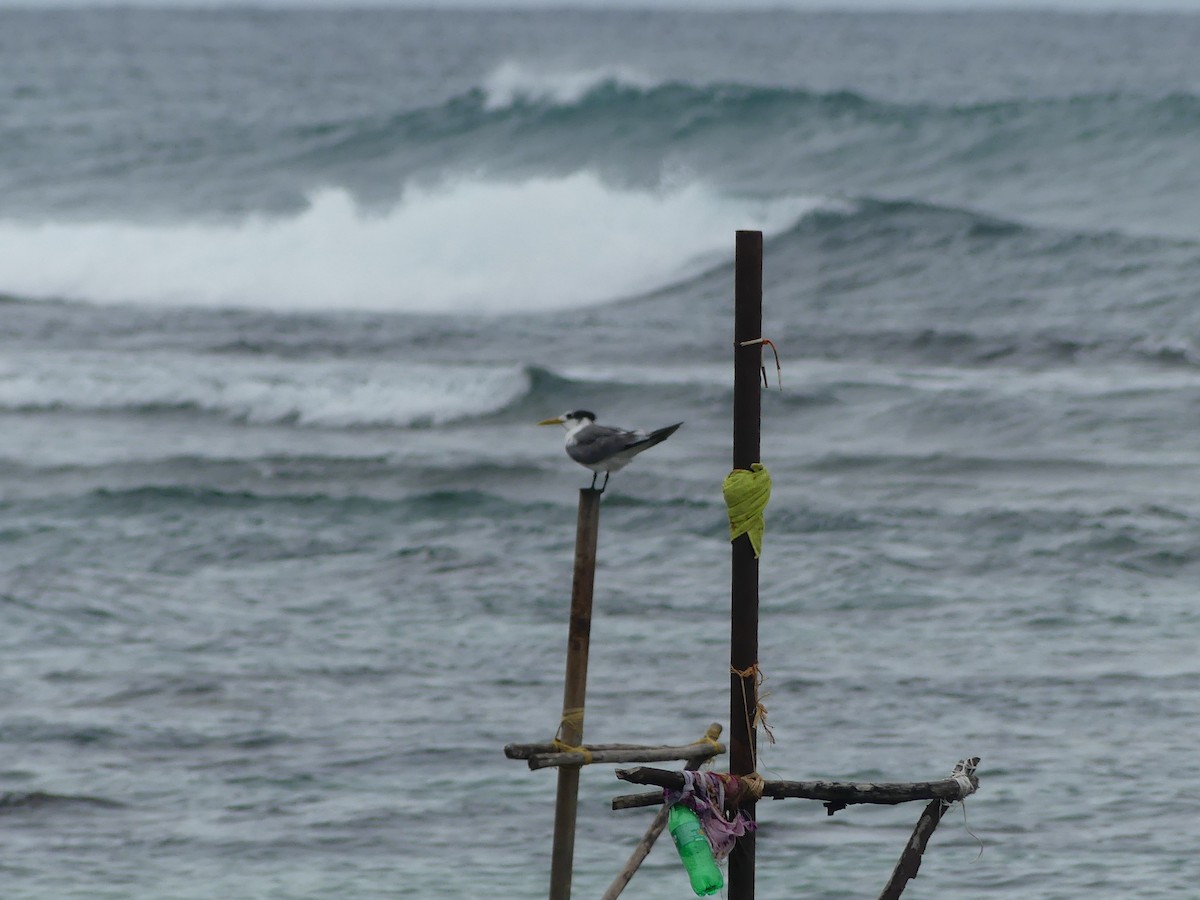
pixel 743 652
pixel 574 690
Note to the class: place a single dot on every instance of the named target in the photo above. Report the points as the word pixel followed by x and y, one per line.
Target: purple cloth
pixel 704 792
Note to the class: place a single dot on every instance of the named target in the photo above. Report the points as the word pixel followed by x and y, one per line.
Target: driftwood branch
pixel 525 751
pixel 836 794
pixel 636 801
pixel 910 859
pixel 541 756
pixel 642 850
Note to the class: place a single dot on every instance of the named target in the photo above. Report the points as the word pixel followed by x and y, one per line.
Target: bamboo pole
pixel 743 646
pixel 574 691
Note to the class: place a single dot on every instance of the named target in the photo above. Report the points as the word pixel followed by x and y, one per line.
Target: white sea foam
pixel 469 246
pixel 1074 383
pixel 512 83
pixel 322 393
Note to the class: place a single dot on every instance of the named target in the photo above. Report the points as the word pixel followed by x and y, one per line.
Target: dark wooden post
pixel 574 691
pixel 743 653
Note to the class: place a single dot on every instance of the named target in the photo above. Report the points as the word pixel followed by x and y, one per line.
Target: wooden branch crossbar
pixel 525 751
pixel 547 755
pixel 836 794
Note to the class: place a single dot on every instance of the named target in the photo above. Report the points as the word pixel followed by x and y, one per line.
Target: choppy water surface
pixel 284 564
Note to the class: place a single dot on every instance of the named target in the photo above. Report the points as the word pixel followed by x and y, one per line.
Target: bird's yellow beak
pixel 557 420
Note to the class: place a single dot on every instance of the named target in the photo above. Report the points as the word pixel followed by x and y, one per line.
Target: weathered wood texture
pixel 525 751
pixel 637 801
pixel 703 750
pixel 844 793
pixel 640 852
pixel 910 859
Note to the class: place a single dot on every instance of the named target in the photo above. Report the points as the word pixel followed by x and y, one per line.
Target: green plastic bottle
pixel 694 850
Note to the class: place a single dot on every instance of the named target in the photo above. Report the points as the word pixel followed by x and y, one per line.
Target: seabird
pixel 603 448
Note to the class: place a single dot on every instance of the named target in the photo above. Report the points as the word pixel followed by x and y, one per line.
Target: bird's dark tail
pixel 656 437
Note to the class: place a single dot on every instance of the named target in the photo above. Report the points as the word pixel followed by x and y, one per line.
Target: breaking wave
pixel 470 246
pixel 322 393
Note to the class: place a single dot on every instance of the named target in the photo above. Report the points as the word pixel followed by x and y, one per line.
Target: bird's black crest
pixel 582 414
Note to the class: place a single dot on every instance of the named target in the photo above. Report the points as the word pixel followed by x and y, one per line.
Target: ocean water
pixel 284 563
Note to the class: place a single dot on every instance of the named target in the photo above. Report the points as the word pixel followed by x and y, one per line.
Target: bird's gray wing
pixel 596 443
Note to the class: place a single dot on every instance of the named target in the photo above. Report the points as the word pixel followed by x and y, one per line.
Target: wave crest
pixel 472 245
pixel 323 393
pixel 512 84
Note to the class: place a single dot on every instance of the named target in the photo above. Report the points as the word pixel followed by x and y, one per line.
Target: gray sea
pixel 284 562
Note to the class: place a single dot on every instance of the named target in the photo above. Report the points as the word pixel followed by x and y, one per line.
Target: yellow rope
pixel 717 746
pixel 746 494
pixel 755 785
pixel 572 719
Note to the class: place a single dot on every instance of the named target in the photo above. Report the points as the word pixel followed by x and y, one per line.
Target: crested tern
pixel 603 448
